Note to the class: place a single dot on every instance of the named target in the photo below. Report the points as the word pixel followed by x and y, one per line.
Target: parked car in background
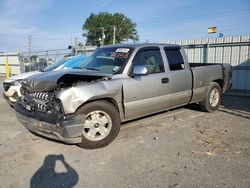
pixel 115 84
pixel 74 62
pixel 35 63
pixel 12 85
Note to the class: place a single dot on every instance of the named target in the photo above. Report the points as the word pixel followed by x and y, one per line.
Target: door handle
pixel 164 80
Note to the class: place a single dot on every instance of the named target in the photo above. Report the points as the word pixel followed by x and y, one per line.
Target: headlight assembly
pixel 15 83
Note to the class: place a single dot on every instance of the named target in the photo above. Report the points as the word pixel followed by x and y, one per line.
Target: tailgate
pixel 227 77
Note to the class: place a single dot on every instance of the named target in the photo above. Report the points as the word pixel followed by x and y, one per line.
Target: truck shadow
pixel 46 175
pixel 237 106
pixel 234 105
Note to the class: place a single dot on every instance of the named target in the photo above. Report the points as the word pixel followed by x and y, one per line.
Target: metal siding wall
pixel 202 55
pixel 211 53
pixel 235 52
pixel 197 53
pixel 244 54
pixel 236 55
pixel 13 61
pixel 219 51
pixel 245 50
pixel 226 55
pixel 186 50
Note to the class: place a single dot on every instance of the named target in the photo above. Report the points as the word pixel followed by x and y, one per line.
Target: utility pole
pixel 114 30
pixel 29 44
pixel 76 46
pixel 46 55
pixel 103 36
pixel 29 49
pixel 71 47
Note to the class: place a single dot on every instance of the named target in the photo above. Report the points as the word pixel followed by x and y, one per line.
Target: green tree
pixel 97 24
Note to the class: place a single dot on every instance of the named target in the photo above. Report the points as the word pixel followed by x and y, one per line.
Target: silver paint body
pixel 142 95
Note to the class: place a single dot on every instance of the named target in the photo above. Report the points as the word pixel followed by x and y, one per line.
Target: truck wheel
pixel 101 126
pixel 212 99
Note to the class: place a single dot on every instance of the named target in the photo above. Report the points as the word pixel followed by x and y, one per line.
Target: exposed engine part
pixel 45 102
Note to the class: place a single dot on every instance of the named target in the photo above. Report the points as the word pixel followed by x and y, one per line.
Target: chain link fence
pixel 38 60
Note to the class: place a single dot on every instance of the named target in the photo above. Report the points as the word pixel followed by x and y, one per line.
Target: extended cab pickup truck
pixel 117 83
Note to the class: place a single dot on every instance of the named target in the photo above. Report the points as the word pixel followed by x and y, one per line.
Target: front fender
pixel 73 97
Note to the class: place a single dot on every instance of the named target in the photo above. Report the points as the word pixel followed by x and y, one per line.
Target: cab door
pixel 146 94
pixel 180 77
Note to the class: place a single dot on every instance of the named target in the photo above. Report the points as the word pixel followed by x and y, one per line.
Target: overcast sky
pixel 52 23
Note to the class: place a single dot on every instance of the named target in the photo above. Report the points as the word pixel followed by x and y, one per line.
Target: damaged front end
pixel 41 112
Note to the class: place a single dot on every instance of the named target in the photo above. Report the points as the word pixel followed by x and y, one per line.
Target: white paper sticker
pixel 123 50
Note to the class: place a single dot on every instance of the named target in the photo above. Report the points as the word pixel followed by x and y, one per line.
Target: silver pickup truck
pixel 117 83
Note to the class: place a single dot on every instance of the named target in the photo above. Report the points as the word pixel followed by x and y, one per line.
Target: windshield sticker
pixel 120 55
pixel 123 50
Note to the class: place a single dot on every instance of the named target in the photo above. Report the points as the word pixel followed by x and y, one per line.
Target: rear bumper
pixel 68 129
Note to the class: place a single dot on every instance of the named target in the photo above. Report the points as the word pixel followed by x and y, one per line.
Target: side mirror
pixel 139 70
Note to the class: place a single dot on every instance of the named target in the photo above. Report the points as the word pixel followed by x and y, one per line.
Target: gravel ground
pixel 180 148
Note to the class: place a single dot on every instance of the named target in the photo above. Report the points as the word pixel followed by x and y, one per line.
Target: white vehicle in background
pixel 12 85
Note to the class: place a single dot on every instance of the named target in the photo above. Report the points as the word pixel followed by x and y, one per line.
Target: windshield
pixel 55 65
pixel 74 62
pixel 108 60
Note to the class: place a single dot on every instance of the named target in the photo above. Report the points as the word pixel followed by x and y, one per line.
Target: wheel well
pixel 110 100
pixel 220 82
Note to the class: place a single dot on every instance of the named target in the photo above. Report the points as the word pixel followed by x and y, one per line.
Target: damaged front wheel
pixel 101 126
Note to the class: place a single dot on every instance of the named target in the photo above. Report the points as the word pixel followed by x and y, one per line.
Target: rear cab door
pixel 180 76
pixel 146 94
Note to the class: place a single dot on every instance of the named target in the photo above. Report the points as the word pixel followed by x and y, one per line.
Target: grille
pixel 41 95
pixel 41 106
pixel 41 99
pixel 6 86
pixel 44 102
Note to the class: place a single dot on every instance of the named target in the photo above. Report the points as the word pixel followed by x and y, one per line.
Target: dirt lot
pixel 180 148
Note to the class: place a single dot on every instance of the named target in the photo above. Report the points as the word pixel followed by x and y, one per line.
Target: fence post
pixel 206 53
pixel 7 68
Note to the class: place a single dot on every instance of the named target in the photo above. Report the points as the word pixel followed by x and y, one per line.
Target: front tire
pixel 101 126
pixel 212 99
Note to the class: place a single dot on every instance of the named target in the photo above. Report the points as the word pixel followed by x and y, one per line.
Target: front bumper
pixel 68 129
pixel 11 103
pixel 12 94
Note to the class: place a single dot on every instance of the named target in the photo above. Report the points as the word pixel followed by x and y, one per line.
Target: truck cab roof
pixel 139 45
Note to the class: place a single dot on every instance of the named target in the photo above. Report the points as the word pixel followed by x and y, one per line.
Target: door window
pixel 175 59
pixel 151 59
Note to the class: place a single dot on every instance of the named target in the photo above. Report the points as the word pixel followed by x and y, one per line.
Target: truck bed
pixel 202 64
pixel 205 73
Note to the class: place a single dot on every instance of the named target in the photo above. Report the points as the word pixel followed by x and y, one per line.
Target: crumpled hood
pixel 21 76
pixel 48 81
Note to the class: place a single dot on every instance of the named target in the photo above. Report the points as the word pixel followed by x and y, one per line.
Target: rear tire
pixel 212 99
pixel 101 126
